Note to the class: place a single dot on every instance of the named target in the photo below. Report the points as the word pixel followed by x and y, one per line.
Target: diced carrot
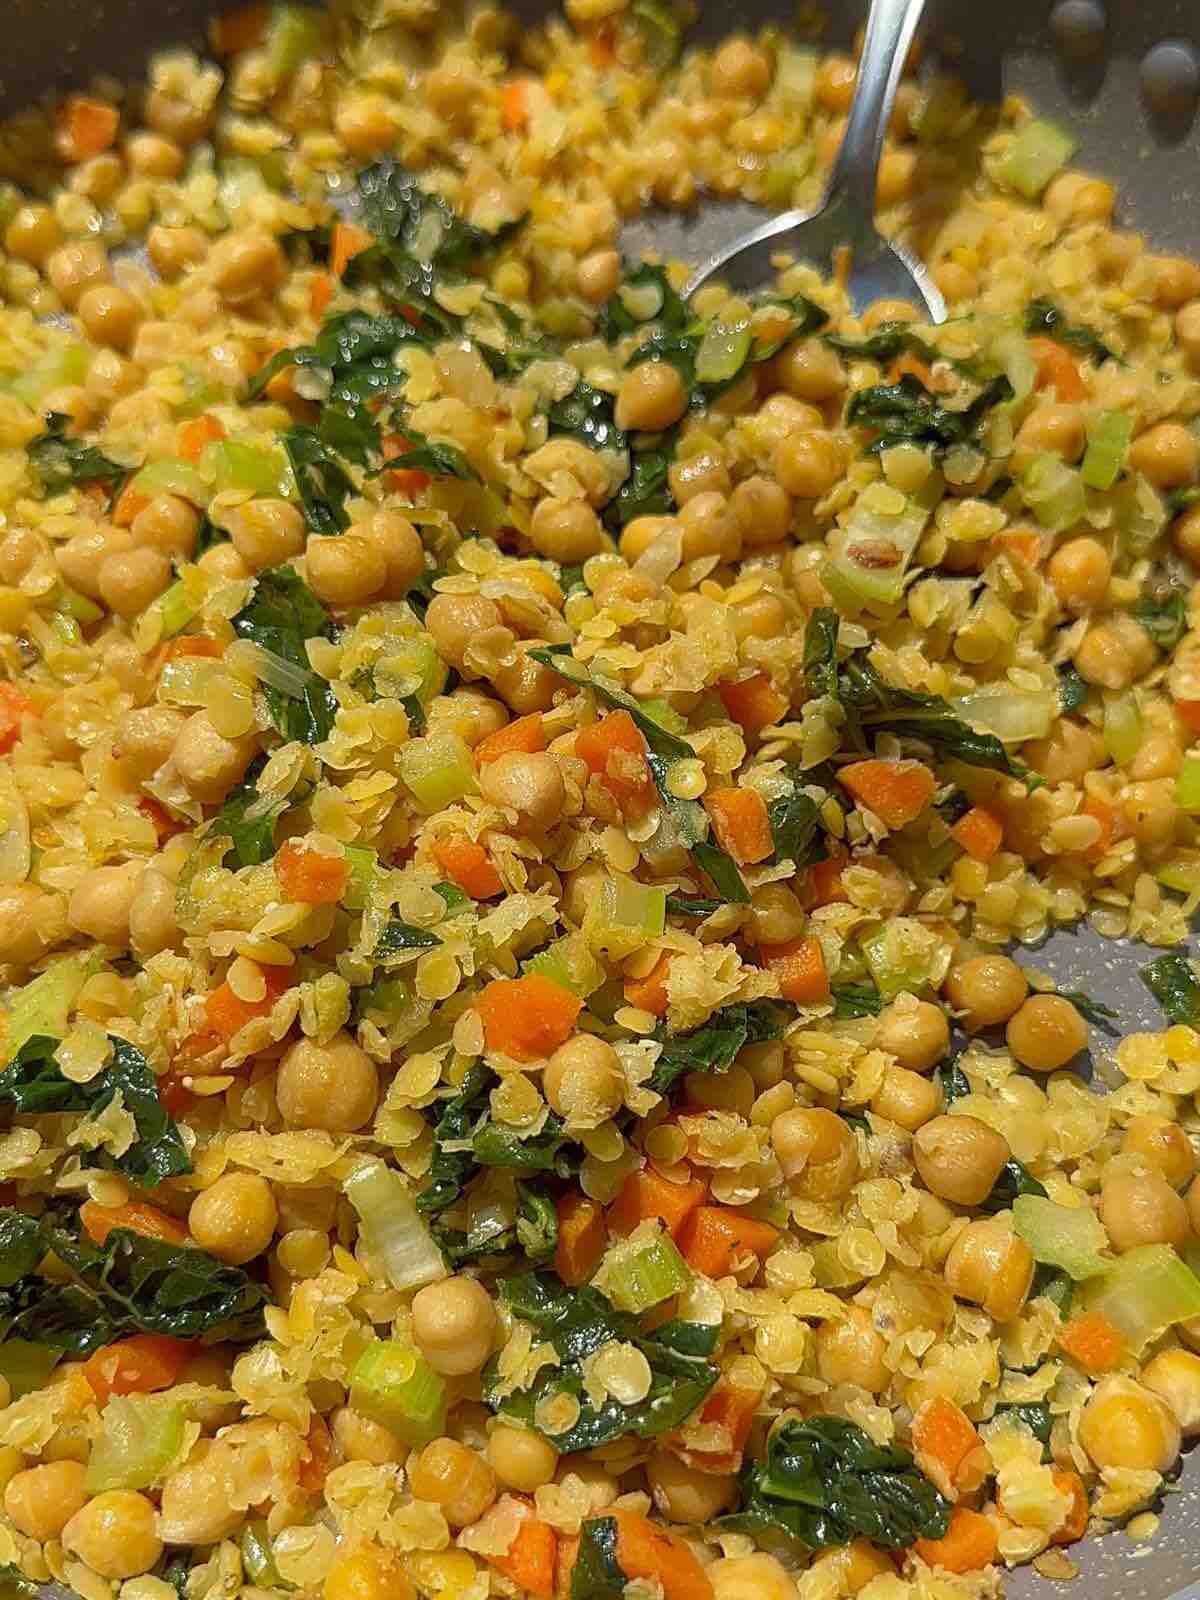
pixel 320 293
pixel 142 1364
pixel 713 1238
pixel 345 243
pixel 729 1407
pixel 315 1465
pixel 1023 543
pixel 527 1018
pixel 615 753
pixel 1189 714
pixel 980 832
pixel 602 47
pixel 514 104
pixel 824 881
pixel 226 1012
pixel 194 435
pixel 176 1097
pixel 130 503
pixel 646 1194
pixel 193 644
pixel 753 703
pixel 968 1544
pixel 1092 1342
pixel 944 1439
pixel 1056 370
pixel 14 708
pixel 896 791
pixel 1106 816
pixel 568 1554
pixel 740 822
pixel 238 30
pixel 650 992
pixel 524 735
pixel 309 877
pixel 647 1550
pixel 531 1558
pixel 1075 1525
pixel 910 366
pixel 466 862
pixel 581 1238
pixel 99 1221
pixel 800 967
pixel 405 480
pixel 85 127
pixel 165 825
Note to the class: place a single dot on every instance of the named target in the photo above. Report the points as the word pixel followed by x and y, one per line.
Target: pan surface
pixel 1126 80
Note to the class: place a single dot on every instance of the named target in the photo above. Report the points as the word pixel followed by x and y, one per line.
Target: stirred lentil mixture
pixel 519 799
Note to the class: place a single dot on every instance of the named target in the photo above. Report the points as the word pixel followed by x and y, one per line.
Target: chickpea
pixel 334 1086
pixel 110 315
pixel 41 1500
pixel 31 922
pixel 152 922
pixel 754 1577
pixel 583 1081
pixel 816 1152
pixel 1177 280
pixel 1046 1033
pixel 1151 812
pixel 1187 330
pixel 992 1266
pixel 705 473
pixel 115 1534
pixel 267 532
pixel 129 580
pixel 1164 1145
pixel 1068 754
pixel 245 265
pixel 835 81
pixel 640 533
pixel 897 176
pixel 1142 1208
pixel 762 616
pixel 32 233
pixel 168 524
pixel 850 1350
pixel 1126 1425
pixel 1167 454
pixel 151 156
pixel 208 763
pixel 907 1098
pixel 344 569
pixel 526 685
pixel 18 552
pixel 358 1438
pixel 453 620
pixel 709 528
pixel 986 990
pixel 520 1458
pixel 776 915
pixel 234 1219
pixel 1174 1376
pixel 598 275
pixel 957 282
pixel 566 530
pixel 959 1158
pixel 1115 652
pixel 1079 573
pixel 854 1565
pixel 809 370
pixel 455 1478
pixel 740 70
pixel 77 266
pixel 368 1572
pixel 650 398
pixel 762 510
pixel 682 1494
pixel 366 123
pixel 808 464
pixel 454 1324
pixel 1058 428
pixel 530 784
pixel 915 1032
pixel 766 1062
pixel 1158 756
pixel 1074 198
pixel 223 561
pixel 101 902
pixel 174 250
pixel 467 712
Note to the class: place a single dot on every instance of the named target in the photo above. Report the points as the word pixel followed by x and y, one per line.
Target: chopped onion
pixel 393 1228
pixel 1145 1292
pixel 1013 715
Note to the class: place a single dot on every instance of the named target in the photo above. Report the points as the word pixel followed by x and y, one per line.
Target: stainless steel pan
pixel 1126 78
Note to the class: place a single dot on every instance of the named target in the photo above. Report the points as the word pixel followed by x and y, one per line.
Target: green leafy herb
pixel 1172 980
pixel 396 210
pixel 820 652
pixel 429 455
pixel 61 461
pixel 826 1482
pixel 321 479
pixel 251 837
pixel 14 1585
pixel 454 897
pixel 1055 1285
pixel 537 1223
pixel 1073 688
pixel 597 1574
pixel 1162 611
pixel 1043 317
pixel 905 412
pixel 661 27
pixel 1101 1016
pixel 1015 1179
pixel 646 492
pixel 954 1082
pixel 33 1084
pixel 399 935
pixel 892 339
pixel 642 286
pixel 586 414
pixel 795 828
pixel 715 1046
pixel 280 615
pixel 722 871
pixel 684 905
pixel 450 1170
pixel 669 746
pixel 856 1000
pixel 1035 1414
pixel 496 1146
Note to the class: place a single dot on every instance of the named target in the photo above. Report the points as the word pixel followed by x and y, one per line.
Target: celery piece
pixel 569 962
pixel 1144 1293
pixel 412 668
pixel 1038 151
pixel 258 1559
pixel 140 1436
pixel 1069 1237
pixel 666 716
pixel 43 1006
pixel 59 367
pixel 723 351
pixel 177 606
pixel 1108 446
pixel 624 915
pixel 1011 350
pixel 438 770
pixel 1187 787
pixel 1181 872
pixel 1053 492
pixel 638 1278
pixel 795 73
pixel 903 957
pixel 172 476
pixel 1013 715
pixel 77 606
pixel 1122 727
pixel 829 1271
pixel 852 573
pixel 234 465
pixel 393 1228
pixel 26 1366
pixel 199 395
pixel 363 864
pixel 386 997
pixel 394 1385
pixel 295 35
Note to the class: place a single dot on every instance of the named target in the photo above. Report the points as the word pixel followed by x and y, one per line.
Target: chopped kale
pixel 646 492
pixel 1162 611
pixel 429 455
pixel 597 1574
pixel 1073 688
pixel 715 1046
pixel 953 1082
pixel 647 285
pixel 587 414
pixel 399 935
pixel 280 615
pixel 795 828
pixel 1015 1179
pixel 1172 980
pixel 14 1585
pixel 661 25
pixel 1043 317
pixel 61 461
pixel 251 838
pixel 450 1170
pixel 1101 1016
pixel 422 225
pixel 684 905
pixel 820 652
pixel 905 412
pixel 1035 1414
pixel 856 1000
pixel 722 872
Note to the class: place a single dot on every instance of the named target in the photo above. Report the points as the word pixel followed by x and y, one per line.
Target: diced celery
pixel 1011 349
pixel 623 915
pixel 200 395
pixel 172 476
pixel 1122 727
pixel 258 1559
pixel 1070 1237
pixel 722 352
pixel 363 864
pixel 26 1366
pixel 782 175
pixel 140 1435
pixel 234 465
pixel 1053 492
pixel 393 1384
pixel 569 962
pixel 412 668
pixel 665 714
pixel 77 606
pixel 1039 150
pixel 904 957
pixel 1013 715
pixel 395 1231
pixel 636 1277
pixel 938 110
pixel 295 35
pixel 389 997
pixel 852 573
pixel 177 606
pixel 795 73
pixel 1108 447
pixel 1141 513
pixel 1187 786
pixel 829 1270
pixel 1181 872
pixel 43 1006
pixel 1145 1292
pixel 61 366
pixel 438 770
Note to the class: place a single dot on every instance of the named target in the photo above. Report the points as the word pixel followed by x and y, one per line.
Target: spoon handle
pixel 891 25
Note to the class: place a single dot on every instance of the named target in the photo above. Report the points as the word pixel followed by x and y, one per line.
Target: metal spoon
pixel 880 269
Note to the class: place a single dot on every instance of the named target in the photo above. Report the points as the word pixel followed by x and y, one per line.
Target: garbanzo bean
pixel 754 1577
pixel 1142 1208
pixel 959 1158
pixel 992 1266
pixel 520 1458
pixel 916 1032
pixel 1069 752
pixel 705 473
pixel 1163 1145
pixel 1079 573
pixel 234 1219
pixel 333 1086
pixel 152 921
pixel 906 1098
pixel 366 123
pixel 566 530
pixel 525 685
pixel 776 915
pixel 809 370
pixel 1167 454
pixel 1174 1376
pixel 115 1534
pixel 399 543
pixel 684 1495
pixel 708 528
pixel 598 275
pixel 358 1438
pixel 583 1081
pixel 816 1152
pixel 110 314
pixel 77 266
pixel 762 510
pixel 454 1324
pixel 740 69
pixel 31 922
pixel 1176 280
pixel 1046 1033
pixel 174 250
pixel 101 902
pixel 267 532
pixel 985 990
pixel 32 233
pixel 368 1572
pixel 1125 1425
pixel 208 763
pixel 651 397
pixel 128 580
pixel 41 1500
pixel 344 569
pixel 529 784
pixel 808 464
pixel 457 1479
pixel 246 265
pixel 850 1349
pixel 454 620
pixel 1053 427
